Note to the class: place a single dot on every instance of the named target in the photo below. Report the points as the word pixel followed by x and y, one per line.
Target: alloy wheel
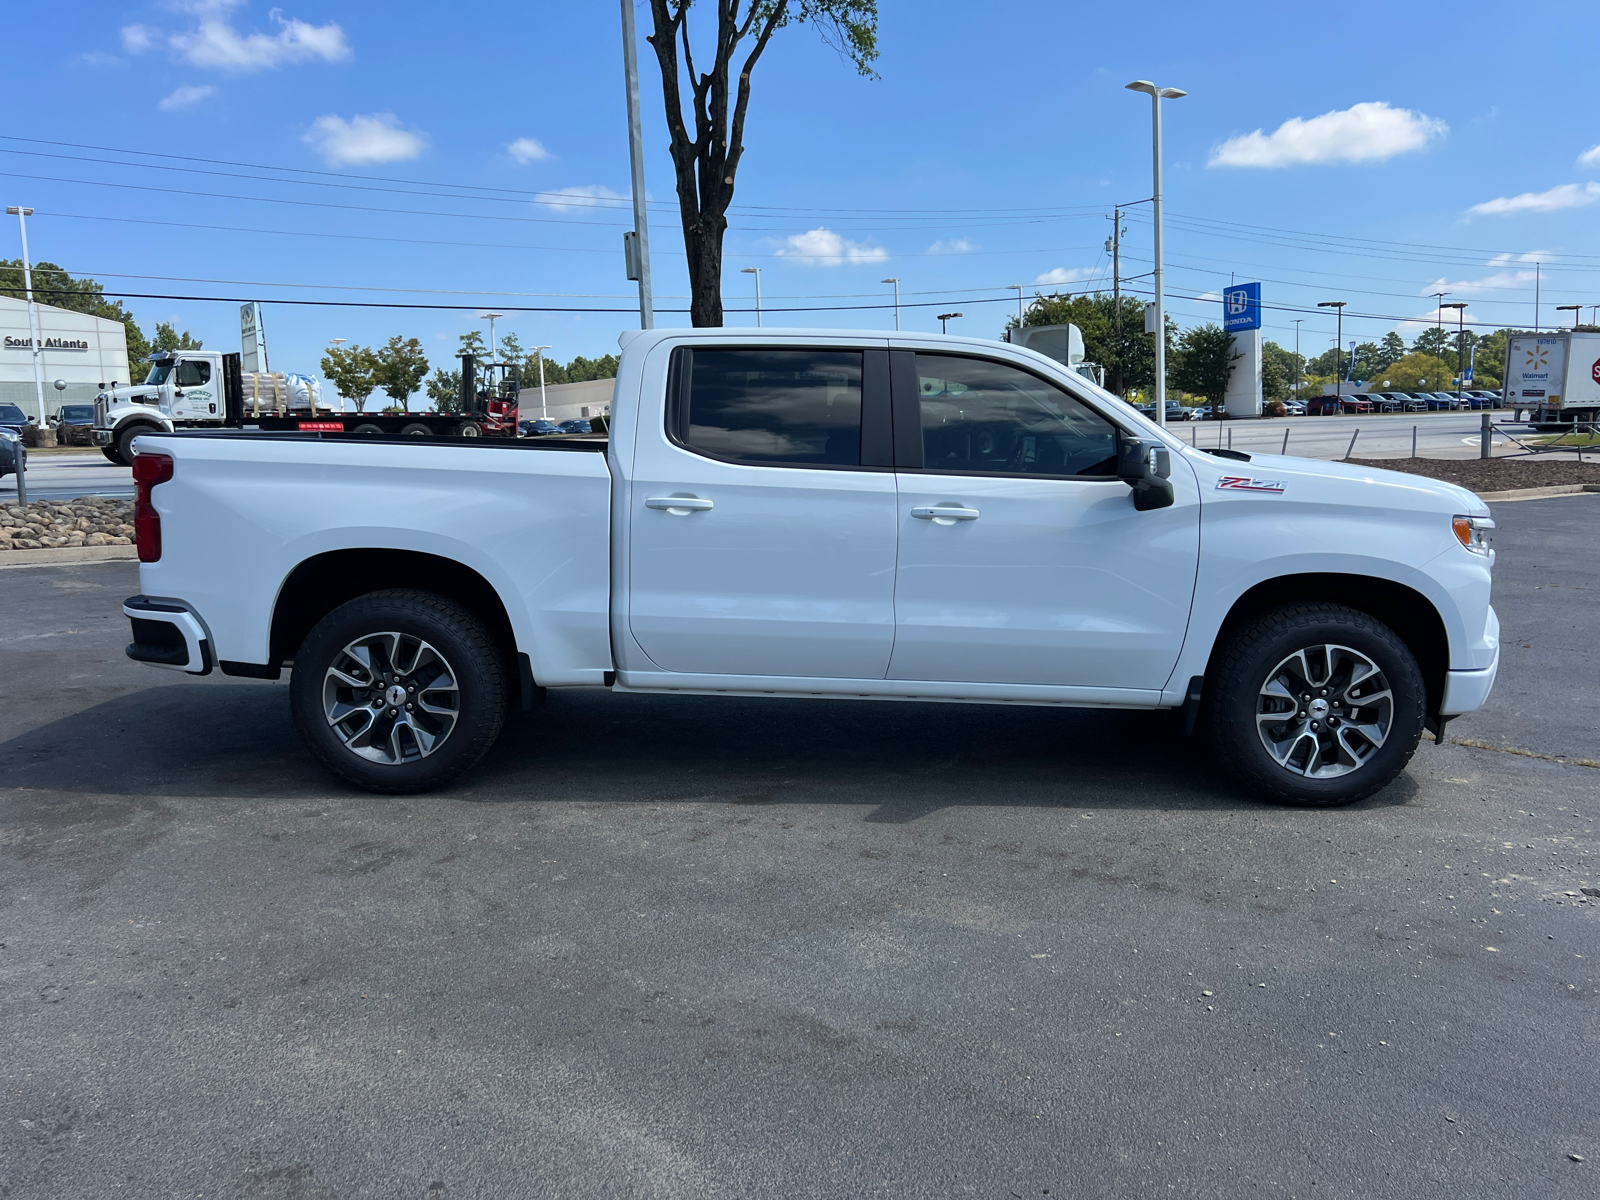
pixel 391 698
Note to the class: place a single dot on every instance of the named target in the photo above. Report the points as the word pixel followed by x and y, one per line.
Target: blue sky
pixel 1374 153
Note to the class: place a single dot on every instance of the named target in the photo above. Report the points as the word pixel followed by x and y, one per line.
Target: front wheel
pixel 1316 705
pixel 469 429
pixel 114 455
pixel 398 691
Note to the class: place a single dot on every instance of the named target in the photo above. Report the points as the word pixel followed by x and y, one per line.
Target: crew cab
pixel 827 515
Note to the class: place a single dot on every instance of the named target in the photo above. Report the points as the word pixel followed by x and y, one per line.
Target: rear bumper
pixel 166 633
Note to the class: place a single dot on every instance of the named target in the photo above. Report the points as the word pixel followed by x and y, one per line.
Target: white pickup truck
pixel 823 514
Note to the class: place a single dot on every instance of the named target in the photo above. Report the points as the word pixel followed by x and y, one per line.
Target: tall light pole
pixel 1297 359
pixel 1461 343
pixel 1157 95
pixel 1017 287
pixel 491 318
pixel 544 411
pixel 895 279
pixel 943 317
pixel 1537 273
pixel 1338 341
pixel 641 225
pixel 1574 309
pixel 756 271
pixel 335 343
pixel 22 215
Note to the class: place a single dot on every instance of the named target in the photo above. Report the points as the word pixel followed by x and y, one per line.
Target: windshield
pixel 76 412
pixel 159 372
pixel 10 414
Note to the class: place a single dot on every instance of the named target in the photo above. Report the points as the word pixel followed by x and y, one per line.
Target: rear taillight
pixel 148 470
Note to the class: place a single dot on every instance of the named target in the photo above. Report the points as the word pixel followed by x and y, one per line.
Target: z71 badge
pixel 1243 483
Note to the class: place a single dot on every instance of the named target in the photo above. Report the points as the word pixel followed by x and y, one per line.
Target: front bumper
pixel 102 437
pixel 1466 691
pixel 167 634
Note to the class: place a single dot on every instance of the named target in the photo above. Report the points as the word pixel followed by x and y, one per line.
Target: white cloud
pixel 1590 157
pixel 953 246
pixel 527 150
pixel 214 43
pixel 1059 275
pixel 186 95
pixel 136 39
pixel 362 141
pixel 575 199
pixel 1510 274
pixel 1567 195
pixel 1367 132
pixel 825 248
pixel 1210 297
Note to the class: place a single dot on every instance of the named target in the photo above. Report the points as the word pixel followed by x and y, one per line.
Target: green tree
pixel 1390 350
pixel 401 368
pixel 1417 373
pixel 53 285
pixel 1365 361
pixel 444 389
pixel 353 371
pixel 706 165
pixel 1434 340
pixel 168 338
pixel 1204 362
pixel 1279 369
pixel 1113 336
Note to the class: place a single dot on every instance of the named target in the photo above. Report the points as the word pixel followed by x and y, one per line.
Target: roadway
pixel 702 947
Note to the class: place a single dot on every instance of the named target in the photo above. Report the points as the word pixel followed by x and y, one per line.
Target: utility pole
pixel 1116 288
pixel 22 215
pixel 756 271
pixel 895 279
pixel 1297 358
pixel 1338 339
pixel 1536 281
pixel 1020 314
pixel 641 220
pixel 1461 345
pixel 544 410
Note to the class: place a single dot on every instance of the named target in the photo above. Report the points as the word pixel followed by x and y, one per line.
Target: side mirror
pixel 1145 467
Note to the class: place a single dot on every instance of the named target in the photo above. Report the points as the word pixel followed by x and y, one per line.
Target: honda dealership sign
pixel 1241 307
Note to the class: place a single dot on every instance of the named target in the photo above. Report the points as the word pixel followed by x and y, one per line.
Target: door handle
pixel 678 506
pixel 944 514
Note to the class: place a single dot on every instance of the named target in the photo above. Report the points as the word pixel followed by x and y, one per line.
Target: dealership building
pixel 81 354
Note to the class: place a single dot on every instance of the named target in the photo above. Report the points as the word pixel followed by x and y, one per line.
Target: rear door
pixel 1022 559
pixel 762 532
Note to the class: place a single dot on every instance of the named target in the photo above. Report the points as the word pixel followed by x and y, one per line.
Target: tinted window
pixel 987 418
pixel 774 406
pixel 193 372
pixel 10 414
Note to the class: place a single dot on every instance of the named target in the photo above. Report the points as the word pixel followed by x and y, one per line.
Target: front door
pixel 1022 559
pixel 762 527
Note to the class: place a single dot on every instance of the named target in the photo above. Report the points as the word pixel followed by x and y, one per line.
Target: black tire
pixel 367 428
pixel 114 455
pixel 1246 666
pixel 455 638
pixel 469 429
pixel 125 441
pixel 416 429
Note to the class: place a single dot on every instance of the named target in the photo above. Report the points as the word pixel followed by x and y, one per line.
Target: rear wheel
pixel 398 691
pixel 368 428
pixel 469 429
pixel 1316 705
pixel 416 429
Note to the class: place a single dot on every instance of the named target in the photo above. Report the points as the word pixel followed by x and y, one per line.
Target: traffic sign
pixel 1241 307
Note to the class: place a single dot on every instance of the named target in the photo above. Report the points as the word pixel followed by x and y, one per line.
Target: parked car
pixel 1358 403
pixel 12 452
pixel 538 427
pixel 1294 408
pixel 1322 406
pixel 1404 402
pixel 13 418
pixel 575 425
pixel 755 529
pixel 75 414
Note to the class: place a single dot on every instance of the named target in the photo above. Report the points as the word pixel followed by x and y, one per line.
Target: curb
pixel 1539 493
pixel 65 555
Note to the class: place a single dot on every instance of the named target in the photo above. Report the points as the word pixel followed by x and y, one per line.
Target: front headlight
pixel 8 434
pixel 1473 533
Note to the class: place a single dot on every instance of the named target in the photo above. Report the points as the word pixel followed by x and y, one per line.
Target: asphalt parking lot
pixel 707 947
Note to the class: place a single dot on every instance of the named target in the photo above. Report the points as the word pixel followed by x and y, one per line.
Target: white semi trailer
pixel 1555 376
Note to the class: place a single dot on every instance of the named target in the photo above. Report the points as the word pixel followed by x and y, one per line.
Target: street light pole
pixel 756 271
pixel 22 215
pixel 895 279
pixel 544 410
pixel 1574 309
pixel 1338 344
pixel 1018 288
pixel 491 318
pixel 641 222
pixel 1297 358
pixel 1157 95
pixel 1461 339
pixel 943 317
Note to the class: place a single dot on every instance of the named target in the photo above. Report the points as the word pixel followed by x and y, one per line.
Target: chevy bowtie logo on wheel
pixel 1243 483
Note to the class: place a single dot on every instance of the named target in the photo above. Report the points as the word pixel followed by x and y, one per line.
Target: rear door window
pixel 771 407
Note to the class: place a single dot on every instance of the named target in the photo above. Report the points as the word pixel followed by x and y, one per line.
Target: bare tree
pixel 706 165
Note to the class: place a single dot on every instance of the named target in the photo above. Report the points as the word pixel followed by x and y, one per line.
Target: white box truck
pixel 1555 377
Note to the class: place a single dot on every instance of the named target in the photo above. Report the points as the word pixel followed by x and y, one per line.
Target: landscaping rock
pixel 86 521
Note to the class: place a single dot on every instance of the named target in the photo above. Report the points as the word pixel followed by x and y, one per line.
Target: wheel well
pixel 321 584
pixel 1406 611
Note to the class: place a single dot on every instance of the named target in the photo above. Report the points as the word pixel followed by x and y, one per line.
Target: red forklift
pixel 489 399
